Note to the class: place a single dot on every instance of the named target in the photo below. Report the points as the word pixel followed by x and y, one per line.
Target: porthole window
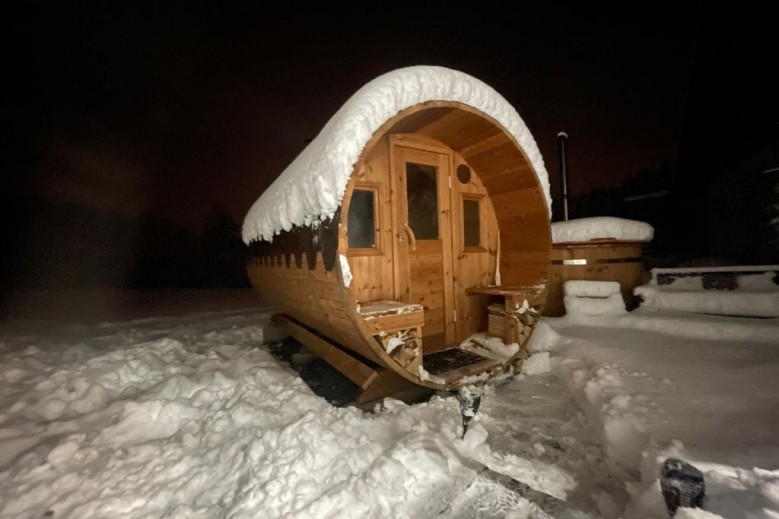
pixel 463 174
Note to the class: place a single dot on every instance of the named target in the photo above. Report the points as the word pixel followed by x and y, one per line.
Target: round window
pixel 463 173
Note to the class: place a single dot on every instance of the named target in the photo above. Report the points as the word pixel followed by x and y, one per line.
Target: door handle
pixel 412 240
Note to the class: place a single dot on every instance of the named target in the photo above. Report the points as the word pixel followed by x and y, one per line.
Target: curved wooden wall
pixel 317 297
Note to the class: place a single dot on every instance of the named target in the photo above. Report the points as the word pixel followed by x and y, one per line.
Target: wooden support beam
pixel 533 294
pixel 385 384
pixel 512 303
pixel 374 384
pixel 357 371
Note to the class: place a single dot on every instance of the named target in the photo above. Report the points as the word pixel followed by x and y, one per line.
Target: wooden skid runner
pixel 374 383
pixel 454 364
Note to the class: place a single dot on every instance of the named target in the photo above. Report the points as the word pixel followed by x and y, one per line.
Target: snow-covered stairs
pixel 589 298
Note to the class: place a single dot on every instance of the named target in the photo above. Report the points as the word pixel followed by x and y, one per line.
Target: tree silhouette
pixel 222 252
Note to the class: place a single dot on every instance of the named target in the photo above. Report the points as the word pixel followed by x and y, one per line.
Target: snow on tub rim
pixel 423 201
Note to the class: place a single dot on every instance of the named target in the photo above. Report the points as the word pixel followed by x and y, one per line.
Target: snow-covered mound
pixel 738 290
pixel 587 297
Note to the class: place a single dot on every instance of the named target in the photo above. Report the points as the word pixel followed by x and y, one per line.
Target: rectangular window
pixel 471 222
pixel 361 225
pixel 422 199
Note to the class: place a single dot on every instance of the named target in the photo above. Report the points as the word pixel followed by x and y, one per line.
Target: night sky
pixel 182 111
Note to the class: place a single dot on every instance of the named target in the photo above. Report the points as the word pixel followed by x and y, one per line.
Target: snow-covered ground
pixel 191 415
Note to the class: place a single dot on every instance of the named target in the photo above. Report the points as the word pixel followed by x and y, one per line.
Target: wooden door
pixel 423 240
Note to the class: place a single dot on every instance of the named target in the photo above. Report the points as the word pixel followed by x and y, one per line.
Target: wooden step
pixel 455 363
pixel 384 317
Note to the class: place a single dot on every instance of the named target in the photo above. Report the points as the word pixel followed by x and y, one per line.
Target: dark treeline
pixel 730 218
pixel 68 246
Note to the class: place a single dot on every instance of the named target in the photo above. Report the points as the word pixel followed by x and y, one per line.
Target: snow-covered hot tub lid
pixel 598 228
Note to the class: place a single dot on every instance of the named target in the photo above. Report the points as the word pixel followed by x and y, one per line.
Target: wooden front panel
pixel 372 270
pixel 473 265
pixel 423 239
pixel 426 287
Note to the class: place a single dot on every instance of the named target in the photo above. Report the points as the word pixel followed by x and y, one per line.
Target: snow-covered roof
pixel 586 229
pixel 312 187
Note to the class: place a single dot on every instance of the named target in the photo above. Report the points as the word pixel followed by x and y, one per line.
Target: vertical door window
pixel 422 198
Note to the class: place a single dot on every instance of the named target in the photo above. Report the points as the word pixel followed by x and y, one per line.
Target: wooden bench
pixel 391 316
pixel 397 326
pixel 514 298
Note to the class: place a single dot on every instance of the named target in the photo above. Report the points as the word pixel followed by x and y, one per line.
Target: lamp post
pixel 562 137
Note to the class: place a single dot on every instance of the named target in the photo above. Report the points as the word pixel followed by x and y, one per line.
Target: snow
pixel 424 375
pixel 191 415
pixel 601 227
pixel 589 288
pixel 346 271
pixel 311 188
pixel 588 298
pixel 659 384
pixel 489 346
pixel 752 291
pixel 395 341
pixel 590 306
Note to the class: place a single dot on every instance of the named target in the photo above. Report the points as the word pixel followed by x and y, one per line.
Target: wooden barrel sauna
pixel 410 241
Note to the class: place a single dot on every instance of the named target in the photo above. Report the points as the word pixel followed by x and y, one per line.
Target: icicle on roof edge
pixel 312 187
